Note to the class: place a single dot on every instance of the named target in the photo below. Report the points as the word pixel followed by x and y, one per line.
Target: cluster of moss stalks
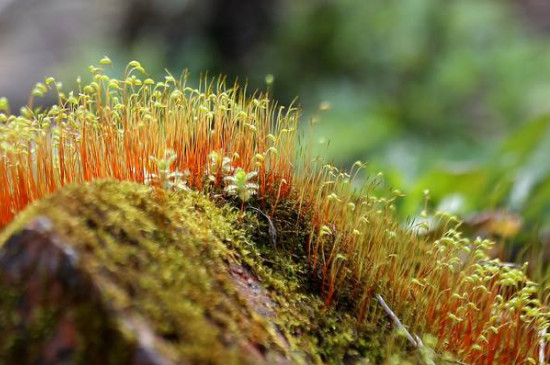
pixel 343 242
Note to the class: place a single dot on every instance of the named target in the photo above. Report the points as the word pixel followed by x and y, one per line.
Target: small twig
pixel 415 341
pixel 542 347
pixel 272 231
pixel 397 322
pixel 418 341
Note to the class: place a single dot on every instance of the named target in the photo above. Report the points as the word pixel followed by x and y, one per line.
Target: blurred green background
pixel 451 96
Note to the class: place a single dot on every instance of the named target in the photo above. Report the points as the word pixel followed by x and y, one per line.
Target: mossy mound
pixel 190 270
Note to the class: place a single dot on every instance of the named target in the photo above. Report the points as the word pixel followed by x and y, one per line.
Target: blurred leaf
pixel 522 142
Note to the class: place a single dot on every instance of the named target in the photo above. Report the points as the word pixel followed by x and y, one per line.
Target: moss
pixel 160 255
pixel 324 335
pixel 166 256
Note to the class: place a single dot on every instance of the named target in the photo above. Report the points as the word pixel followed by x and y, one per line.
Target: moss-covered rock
pixel 115 272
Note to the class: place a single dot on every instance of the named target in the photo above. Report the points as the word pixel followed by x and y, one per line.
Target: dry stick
pixel 272 230
pixel 542 347
pixel 415 341
pixel 397 322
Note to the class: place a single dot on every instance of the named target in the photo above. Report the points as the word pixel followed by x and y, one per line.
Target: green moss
pixel 166 255
pixel 161 256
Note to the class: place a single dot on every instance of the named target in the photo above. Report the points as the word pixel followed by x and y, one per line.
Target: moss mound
pixel 160 256
pixel 207 280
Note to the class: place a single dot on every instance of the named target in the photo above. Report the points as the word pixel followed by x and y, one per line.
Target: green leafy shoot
pixel 166 178
pixel 240 184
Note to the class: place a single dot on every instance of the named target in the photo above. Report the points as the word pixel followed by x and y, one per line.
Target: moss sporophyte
pixel 243 149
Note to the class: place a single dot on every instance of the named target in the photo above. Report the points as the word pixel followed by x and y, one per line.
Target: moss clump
pixel 166 256
pixel 160 255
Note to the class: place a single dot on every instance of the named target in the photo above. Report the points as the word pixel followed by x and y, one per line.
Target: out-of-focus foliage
pixel 422 73
pixel 514 176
